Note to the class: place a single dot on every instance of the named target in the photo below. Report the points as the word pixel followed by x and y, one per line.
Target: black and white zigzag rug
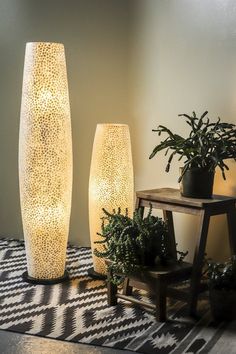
pixel 77 311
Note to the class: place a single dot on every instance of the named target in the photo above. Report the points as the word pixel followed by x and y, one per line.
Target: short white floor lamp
pixel 111 183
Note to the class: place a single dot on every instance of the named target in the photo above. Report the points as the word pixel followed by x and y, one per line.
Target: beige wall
pixel 183 59
pixel 141 62
pixel 94 33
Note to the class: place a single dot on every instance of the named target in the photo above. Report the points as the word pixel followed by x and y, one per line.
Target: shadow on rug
pixel 77 311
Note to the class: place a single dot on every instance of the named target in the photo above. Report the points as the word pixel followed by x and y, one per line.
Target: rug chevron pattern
pixel 77 311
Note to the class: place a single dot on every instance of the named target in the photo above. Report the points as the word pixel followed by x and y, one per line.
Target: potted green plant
pixel 207 146
pixel 133 243
pixel 222 289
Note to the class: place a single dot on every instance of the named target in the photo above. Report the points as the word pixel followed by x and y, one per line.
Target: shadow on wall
pixel 94 34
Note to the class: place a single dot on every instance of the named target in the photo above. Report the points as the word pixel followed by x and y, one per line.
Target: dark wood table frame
pixel 170 200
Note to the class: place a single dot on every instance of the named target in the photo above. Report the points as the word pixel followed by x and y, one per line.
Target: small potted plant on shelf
pixel 222 289
pixel 207 146
pixel 132 244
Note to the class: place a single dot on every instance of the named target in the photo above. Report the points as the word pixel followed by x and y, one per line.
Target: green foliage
pixel 206 147
pixel 132 244
pixel 222 275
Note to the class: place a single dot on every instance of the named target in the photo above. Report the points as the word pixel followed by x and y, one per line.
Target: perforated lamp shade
pixel 111 179
pixel 45 159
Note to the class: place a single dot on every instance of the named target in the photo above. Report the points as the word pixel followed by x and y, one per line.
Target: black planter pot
pixel 197 183
pixel 223 304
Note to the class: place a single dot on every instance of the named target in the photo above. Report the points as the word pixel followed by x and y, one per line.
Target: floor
pixel 16 343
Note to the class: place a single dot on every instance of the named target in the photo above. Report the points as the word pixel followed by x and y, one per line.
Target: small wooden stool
pixel 154 280
pixel 170 200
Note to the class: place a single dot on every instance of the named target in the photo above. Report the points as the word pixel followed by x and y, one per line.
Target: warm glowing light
pixel 45 159
pixel 111 179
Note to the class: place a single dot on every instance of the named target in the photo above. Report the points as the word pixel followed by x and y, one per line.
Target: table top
pixel 173 196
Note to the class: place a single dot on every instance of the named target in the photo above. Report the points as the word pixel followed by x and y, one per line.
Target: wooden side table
pixel 170 200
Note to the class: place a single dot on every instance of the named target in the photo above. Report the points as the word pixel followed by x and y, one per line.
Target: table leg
pixel 138 205
pixel 111 291
pixel 160 301
pixel 198 260
pixel 231 219
pixel 127 289
pixel 168 217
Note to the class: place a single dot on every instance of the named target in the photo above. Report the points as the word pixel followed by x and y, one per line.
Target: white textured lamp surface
pixel 111 182
pixel 45 159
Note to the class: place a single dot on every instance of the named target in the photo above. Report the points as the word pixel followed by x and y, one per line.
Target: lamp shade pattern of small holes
pixel 45 159
pixel 111 184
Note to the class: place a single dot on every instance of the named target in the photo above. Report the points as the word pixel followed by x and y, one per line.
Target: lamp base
pixel 31 280
pixel 95 275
